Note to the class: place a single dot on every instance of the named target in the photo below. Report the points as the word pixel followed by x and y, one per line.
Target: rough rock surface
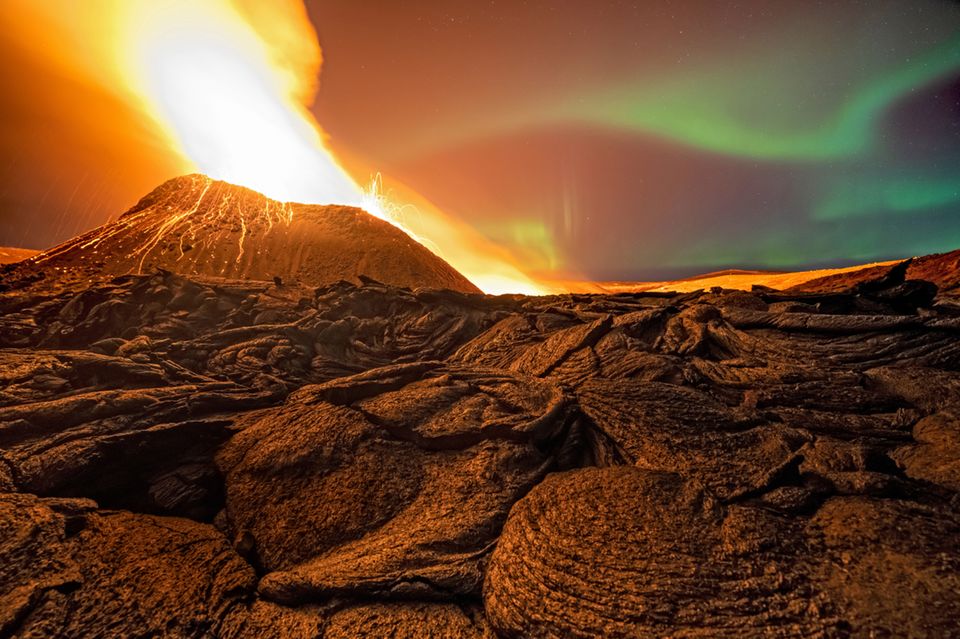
pixel 71 570
pixel 624 552
pixel 456 447
pixel 941 269
pixel 193 456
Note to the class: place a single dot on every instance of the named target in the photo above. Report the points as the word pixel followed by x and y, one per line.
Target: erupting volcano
pixel 222 86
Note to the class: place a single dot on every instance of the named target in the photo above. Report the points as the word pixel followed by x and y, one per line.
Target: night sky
pixel 616 140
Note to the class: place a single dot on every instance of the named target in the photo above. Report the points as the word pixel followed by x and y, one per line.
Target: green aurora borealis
pixel 698 135
pixel 759 115
pixel 874 183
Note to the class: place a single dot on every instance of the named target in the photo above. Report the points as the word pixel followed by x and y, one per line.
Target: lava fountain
pixel 225 86
pixel 228 91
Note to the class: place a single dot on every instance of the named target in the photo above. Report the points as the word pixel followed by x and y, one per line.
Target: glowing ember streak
pixel 168 224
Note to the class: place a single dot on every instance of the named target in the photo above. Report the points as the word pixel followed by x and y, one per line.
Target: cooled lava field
pixel 187 452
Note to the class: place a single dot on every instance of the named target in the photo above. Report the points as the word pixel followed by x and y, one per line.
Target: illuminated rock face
pixel 941 269
pixel 198 457
pixel 197 226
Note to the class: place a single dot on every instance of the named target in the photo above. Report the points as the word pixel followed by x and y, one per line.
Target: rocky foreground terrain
pixel 187 456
